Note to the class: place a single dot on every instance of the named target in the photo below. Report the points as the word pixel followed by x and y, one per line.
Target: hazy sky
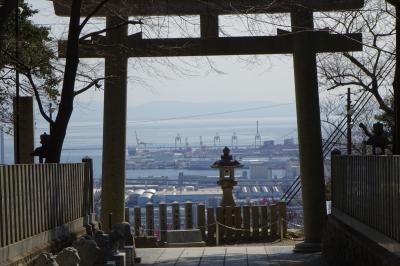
pixel 232 78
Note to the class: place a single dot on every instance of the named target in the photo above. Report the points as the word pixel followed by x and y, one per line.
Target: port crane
pixel 178 140
pixel 257 138
pixel 234 140
pixel 140 143
pixel 217 141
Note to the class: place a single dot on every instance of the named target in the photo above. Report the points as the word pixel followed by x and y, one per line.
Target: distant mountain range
pixel 184 110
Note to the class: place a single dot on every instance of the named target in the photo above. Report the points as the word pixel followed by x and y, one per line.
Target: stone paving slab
pixel 213 256
pixel 257 256
pixel 228 256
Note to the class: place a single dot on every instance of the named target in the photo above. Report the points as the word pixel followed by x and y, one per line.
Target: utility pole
pixel 16 129
pixel 2 161
pixel 396 83
pixel 396 87
pixel 349 112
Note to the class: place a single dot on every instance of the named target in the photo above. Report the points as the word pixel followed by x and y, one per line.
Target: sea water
pixel 85 138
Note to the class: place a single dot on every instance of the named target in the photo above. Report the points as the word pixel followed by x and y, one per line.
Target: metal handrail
pixel 329 143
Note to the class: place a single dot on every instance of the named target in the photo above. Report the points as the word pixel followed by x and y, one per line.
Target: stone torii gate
pixel 303 42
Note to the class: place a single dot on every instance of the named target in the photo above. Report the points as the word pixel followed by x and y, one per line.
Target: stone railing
pixel 42 202
pixel 367 188
pixel 217 225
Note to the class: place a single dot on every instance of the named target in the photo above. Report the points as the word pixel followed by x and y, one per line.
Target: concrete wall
pixel 347 242
pixel 41 203
pixel 25 251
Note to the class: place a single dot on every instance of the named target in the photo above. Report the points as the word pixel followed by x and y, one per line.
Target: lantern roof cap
pixel 226 160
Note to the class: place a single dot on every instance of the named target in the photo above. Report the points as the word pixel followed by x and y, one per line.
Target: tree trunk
pixel 67 95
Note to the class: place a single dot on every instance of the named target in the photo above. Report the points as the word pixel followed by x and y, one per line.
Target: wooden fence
pixel 367 188
pixel 233 224
pixel 40 197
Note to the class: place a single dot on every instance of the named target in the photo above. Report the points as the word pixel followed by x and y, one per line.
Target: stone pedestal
pixel 120 259
pixel 227 196
pixel 185 238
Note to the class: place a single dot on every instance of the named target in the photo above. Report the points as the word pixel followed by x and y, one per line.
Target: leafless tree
pixel 371 70
pixel 68 91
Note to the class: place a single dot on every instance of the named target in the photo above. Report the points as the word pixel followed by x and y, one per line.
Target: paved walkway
pixel 229 256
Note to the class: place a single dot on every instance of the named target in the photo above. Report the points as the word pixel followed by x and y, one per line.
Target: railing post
pixel 283 217
pixel 220 220
pixel 176 222
pixel 264 221
pixel 238 222
pixel 274 220
pixel 246 222
pixel 127 215
pixel 188 215
pixel 163 222
pixel 89 170
pixel 229 222
pixel 256 222
pixel 217 233
pixel 211 227
pixel 138 220
pixel 150 219
pixel 201 220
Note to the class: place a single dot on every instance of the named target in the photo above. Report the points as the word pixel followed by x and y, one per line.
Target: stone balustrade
pixel 217 225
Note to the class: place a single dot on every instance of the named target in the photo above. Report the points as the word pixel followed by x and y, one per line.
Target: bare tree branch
pixel 90 85
pixel 95 33
pixel 86 20
pixel 28 75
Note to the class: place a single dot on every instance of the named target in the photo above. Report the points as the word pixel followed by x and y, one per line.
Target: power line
pixel 211 114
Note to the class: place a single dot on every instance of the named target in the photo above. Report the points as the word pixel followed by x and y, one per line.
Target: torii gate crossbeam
pixel 134 46
pixel 196 7
pixel 303 43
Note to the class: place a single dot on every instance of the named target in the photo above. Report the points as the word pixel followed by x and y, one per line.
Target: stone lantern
pixel 226 168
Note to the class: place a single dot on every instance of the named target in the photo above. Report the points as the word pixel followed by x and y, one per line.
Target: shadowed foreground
pixel 232 256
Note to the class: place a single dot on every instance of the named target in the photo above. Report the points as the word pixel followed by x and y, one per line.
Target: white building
pixel 260 170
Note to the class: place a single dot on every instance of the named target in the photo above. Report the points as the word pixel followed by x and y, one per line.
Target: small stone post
pixel 188 215
pixel 274 220
pixel 163 222
pixel 246 222
pixel 283 217
pixel 228 212
pixel 150 219
pixel 138 220
pixel 238 222
pixel 264 221
pixel 210 225
pixel 255 217
pixel 127 215
pixel 201 219
pixel 176 222
pixel 220 228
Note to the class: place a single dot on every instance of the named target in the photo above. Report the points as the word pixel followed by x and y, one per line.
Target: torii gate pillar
pixel 114 130
pixel 309 131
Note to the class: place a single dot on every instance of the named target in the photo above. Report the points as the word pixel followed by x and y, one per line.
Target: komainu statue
pixel 377 138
